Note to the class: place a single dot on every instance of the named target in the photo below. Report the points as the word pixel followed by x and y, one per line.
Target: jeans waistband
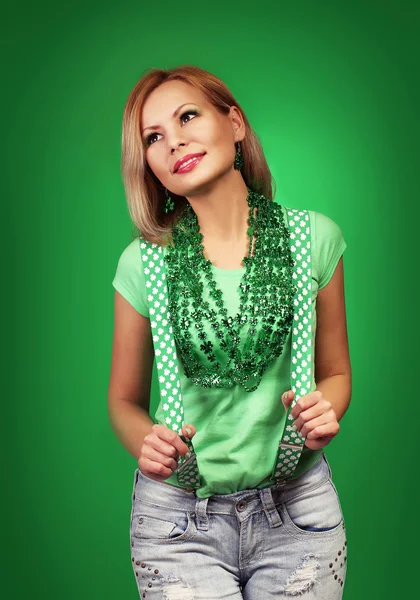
pixel 175 498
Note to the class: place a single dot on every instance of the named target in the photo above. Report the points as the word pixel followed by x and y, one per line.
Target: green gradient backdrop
pixel 333 93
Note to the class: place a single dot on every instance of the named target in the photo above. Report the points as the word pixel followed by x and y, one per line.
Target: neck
pixel 222 211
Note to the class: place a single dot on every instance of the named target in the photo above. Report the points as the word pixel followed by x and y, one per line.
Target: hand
pixel 315 418
pixel 161 449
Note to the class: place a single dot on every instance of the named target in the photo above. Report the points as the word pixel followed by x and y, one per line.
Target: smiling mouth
pixel 188 165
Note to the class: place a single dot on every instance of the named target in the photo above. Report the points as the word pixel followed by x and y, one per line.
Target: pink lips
pixel 178 168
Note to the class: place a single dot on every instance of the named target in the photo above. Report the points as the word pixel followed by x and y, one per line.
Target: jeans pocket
pixel 161 525
pixel 315 510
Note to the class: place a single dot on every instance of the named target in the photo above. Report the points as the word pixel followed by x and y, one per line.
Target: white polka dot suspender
pixel 166 357
pixel 291 443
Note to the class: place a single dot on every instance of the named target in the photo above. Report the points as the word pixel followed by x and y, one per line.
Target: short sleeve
pixel 329 245
pixel 129 278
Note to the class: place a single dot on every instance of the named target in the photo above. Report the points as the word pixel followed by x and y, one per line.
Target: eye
pixel 150 138
pixel 189 112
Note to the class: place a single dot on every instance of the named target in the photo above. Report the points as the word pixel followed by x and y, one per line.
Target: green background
pixel 332 91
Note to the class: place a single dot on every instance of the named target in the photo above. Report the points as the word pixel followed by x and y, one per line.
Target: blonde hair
pixel 144 192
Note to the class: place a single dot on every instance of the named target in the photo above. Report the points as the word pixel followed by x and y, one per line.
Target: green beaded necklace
pixel 266 299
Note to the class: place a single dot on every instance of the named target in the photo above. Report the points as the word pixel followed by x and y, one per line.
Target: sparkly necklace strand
pixel 266 299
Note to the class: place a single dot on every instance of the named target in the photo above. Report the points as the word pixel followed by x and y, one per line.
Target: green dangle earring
pixel 239 159
pixel 169 204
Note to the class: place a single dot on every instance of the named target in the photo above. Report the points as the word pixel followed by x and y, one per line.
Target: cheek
pixel 156 163
pixel 219 147
pixel 218 138
pixel 225 146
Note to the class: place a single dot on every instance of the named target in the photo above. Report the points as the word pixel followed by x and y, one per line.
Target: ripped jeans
pixel 279 542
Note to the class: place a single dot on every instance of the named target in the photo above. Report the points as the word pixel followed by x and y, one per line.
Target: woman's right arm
pixel 130 378
pixel 155 447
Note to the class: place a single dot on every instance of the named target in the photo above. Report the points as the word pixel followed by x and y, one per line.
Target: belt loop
pixel 201 514
pixel 270 509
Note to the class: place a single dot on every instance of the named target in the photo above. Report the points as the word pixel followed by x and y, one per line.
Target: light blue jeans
pixel 279 542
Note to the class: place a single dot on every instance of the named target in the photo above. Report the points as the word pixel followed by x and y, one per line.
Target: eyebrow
pixel 174 115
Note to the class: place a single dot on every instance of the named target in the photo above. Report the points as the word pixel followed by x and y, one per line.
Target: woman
pixel 200 192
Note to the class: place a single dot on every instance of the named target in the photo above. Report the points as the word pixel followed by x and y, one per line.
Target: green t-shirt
pixel 237 431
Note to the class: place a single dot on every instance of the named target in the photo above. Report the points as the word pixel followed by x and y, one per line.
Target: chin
pixel 200 185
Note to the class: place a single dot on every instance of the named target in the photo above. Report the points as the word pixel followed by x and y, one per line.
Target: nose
pixel 175 138
pixel 173 147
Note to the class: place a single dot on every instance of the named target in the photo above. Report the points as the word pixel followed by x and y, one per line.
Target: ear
pixel 238 123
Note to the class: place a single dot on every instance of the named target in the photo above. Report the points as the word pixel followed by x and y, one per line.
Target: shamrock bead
pixel 266 299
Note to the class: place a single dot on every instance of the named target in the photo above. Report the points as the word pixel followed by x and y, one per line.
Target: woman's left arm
pixel 317 414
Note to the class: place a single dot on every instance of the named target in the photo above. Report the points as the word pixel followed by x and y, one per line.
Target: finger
pixel 310 425
pixel 155 470
pixel 172 438
pixel 150 453
pixel 189 431
pixel 306 402
pixel 319 442
pixel 329 429
pixel 161 446
pixel 313 413
pixel 287 399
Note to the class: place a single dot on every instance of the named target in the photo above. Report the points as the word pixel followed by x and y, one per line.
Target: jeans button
pixel 241 506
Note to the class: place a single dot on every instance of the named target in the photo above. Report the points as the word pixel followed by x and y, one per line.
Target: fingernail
pixel 188 455
pixel 294 427
pixel 286 395
pixel 188 430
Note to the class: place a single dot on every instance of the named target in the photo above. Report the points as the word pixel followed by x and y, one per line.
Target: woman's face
pixel 177 120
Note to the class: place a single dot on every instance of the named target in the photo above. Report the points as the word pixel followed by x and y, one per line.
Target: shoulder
pixel 129 277
pixel 131 252
pixel 323 225
pixel 327 242
pixel 328 246
pixel 129 262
